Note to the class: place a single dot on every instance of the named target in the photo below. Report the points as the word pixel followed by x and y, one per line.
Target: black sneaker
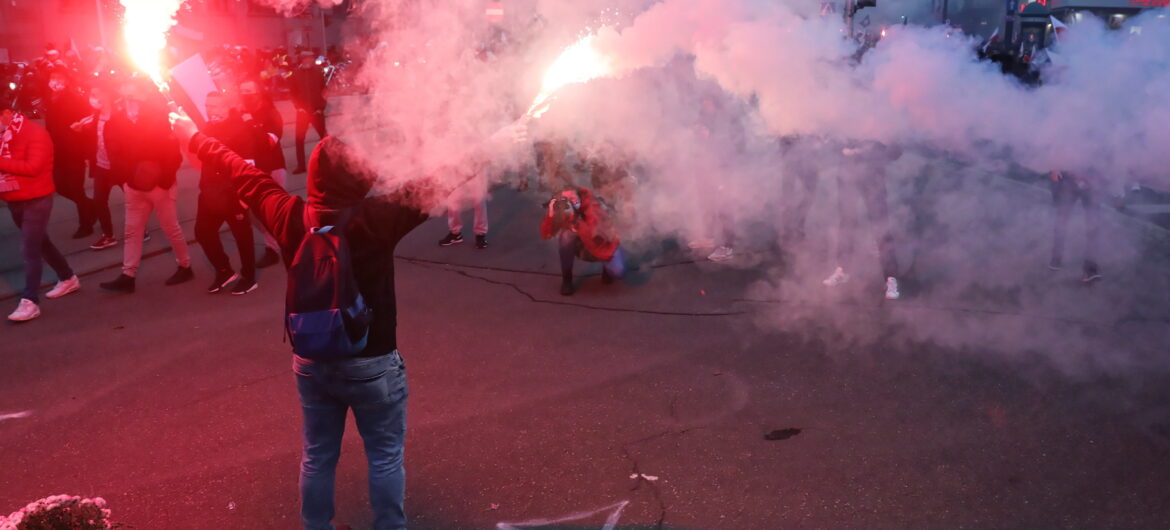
pixel 270 258
pixel 606 278
pixel 181 275
pixel 481 241
pixel 451 239
pixel 121 284
pixel 1091 276
pixel 222 279
pixel 567 288
pixel 244 286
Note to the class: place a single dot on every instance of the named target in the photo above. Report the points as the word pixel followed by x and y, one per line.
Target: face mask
pixel 95 103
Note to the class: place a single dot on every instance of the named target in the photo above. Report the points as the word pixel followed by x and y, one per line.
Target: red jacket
pixel 31 163
pixel 592 226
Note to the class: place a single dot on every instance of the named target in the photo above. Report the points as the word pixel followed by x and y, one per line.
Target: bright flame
pixel 579 63
pixel 145 26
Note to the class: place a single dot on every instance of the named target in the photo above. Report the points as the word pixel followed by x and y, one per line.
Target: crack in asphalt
pixel 532 298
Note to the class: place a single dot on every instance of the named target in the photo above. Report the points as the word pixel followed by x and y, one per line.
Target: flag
pixel 994 37
pixel 1058 27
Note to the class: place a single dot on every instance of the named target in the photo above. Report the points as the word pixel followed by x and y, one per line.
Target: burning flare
pixel 579 63
pixel 145 26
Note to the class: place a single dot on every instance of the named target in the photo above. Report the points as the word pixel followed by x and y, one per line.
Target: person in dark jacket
pixel 260 114
pixel 144 150
pixel 93 129
pixel 1068 189
pixel 373 384
pixel 218 203
pixel 26 184
pixel 308 96
pixel 64 106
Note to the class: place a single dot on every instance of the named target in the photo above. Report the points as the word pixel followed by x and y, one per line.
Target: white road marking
pixel 610 522
pixel 16 415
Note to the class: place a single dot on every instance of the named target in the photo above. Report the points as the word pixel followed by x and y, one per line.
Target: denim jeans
pixel 375 388
pixel 32 218
pixel 571 247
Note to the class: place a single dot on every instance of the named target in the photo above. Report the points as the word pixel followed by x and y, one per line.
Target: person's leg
pixel 302 127
pixel 799 188
pixel 270 243
pixel 324 425
pixel 1092 225
pixel 102 185
pixel 616 266
pixel 377 392
pixel 138 208
pixel 874 193
pixel 319 123
pixel 207 223
pixel 454 219
pixel 168 219
pixel 39 216
pixel 847 223
pixel 481 218
pixel 568 243
pixel 242 231
pixel 69 179
pixel 1062 202
pixel 30 249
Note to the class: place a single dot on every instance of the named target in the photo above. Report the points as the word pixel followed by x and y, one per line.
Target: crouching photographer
pixel 584 230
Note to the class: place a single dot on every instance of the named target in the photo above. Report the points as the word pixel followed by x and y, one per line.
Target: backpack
pixel 325 315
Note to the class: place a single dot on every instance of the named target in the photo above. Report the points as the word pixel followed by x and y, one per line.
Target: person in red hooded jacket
pixel 26 184
pixel 583 228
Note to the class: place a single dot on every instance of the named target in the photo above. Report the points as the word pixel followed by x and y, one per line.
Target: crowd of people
pixel 338 243
pixel 113 127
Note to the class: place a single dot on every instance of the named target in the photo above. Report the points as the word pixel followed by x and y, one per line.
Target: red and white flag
pixel 1058 27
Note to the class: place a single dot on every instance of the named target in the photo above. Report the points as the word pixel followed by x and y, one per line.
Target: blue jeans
pixel 32 218
pixel 375 388
pixel 571 247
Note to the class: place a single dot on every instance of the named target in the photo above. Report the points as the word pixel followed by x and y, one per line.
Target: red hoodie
pixel 27 159
pixel 592 226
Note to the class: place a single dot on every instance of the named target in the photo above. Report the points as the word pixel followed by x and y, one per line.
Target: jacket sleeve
pixel 280 212
pixel 546 227
pixel 392 216
pixel 39 159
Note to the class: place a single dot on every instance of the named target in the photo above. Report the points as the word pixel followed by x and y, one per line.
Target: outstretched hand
pixel 183 127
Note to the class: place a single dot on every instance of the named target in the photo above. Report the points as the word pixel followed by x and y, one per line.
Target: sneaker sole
pixel 250 289
pixel 18 320
pixel 224 284
pixel 451 243
pixel 103 247
pixel 52 296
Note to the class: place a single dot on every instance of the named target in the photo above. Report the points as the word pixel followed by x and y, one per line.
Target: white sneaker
pixel 892 289
pixel 64 287
pixel 721 254
pixel 837 278
pixel 703 242
pixel 27 310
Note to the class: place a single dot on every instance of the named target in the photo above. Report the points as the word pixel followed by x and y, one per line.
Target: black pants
pixel 317 118
pixel 800 189
pixel 69 179
pixel 209 217
pixel 870 184
pixel 1066 193
pixel 103 182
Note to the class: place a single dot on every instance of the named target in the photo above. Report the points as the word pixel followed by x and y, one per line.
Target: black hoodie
pixel 335 183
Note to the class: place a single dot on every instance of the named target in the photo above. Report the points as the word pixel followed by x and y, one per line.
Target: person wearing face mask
pixel 260 114
pixel 145 151
pixel 64 106
pixel 26 184
pixel 308 95
pixel 95 133
pixel 218 202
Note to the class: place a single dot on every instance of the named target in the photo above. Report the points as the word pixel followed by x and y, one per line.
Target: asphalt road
pixel 994 395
